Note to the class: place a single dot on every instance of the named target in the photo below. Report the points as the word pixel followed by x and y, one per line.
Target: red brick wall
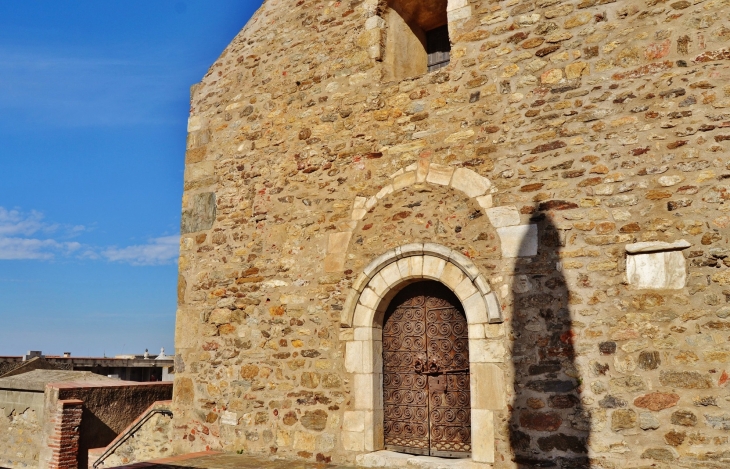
pixel 64 441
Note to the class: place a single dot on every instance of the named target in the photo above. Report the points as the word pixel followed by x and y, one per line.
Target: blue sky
pixel 94 98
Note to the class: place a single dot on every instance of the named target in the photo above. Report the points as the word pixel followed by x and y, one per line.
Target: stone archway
pixel 516 239
pixel 362 318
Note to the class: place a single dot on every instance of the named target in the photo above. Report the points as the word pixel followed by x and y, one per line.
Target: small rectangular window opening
pixel 438 48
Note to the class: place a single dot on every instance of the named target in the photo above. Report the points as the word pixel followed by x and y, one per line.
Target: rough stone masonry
pixel 567 175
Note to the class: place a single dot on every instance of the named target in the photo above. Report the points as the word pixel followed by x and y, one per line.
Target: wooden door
pixel 426 373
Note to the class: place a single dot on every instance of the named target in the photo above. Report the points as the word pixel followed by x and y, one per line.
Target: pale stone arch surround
pixel 517 239
pixel 362 319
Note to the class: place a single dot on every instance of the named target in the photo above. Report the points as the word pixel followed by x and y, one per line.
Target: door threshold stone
pixel 391 459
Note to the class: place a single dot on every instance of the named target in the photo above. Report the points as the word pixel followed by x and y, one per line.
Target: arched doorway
pixel 426 379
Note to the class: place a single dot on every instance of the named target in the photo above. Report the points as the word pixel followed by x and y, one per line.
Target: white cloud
pixel 13 222
pixel 28 236
pixel 21 236
pixel 157 251
pixel 30 248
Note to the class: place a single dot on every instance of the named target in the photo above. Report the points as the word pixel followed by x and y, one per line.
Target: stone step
pixel 391 459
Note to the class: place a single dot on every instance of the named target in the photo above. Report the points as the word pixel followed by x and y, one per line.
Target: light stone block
pixel 391 275
pixel 404 180
pixel 403 267
pixel 657 270
pixel 656 246
pixel 194 123
pixel 482 430
pixel 372 201
pixel 374 438
pixel 384 191
pixel 494 310
pixel 407 250
pixel 459 14
pixel 353 441
pixel 482 285
pixel 476 331
pixel 368 333
pixel 363 316
pixel 487 387
pixel 349 225
pixel 475 309
pixel 353 356
pixel 229 418
pixel 456 4
pixel 439 174
pixel 326 442
pixel 283 438
pixel 199 171
pixel 422 170
pixel 387 459
pixel 348 309
pixel 359 202
pixel 485 201
pixel 452 276
pixel 469 182
pixel 494 331
pixel 369 298
pixel 372 357
pixel 486 351
pixel 379 262
pixel 358 213
pixel 465 263
pixel 360 283
pixel 500 217
pixel 353 421
pixel 375 51
pixel 378 284
pixel 338 242
pixel 374 22
pixel 432 267
pixel 334 262
pixel 518 241
pixel 413 269
pixel 367 388
pixel 436 250
pixel 304 441
pixel 465 289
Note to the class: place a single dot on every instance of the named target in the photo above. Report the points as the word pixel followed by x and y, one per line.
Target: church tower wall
pixel 569 167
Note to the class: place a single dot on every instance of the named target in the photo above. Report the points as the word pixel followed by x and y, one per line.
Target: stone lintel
pixel 657 246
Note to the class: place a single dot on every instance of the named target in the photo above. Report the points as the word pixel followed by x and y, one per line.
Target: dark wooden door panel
pixel 426 373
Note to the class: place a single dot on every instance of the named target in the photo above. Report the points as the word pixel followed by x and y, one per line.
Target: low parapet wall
pixel 106 409
pixel 21 416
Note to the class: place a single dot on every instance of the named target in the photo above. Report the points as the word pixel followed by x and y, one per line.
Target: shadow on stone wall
pixel 548 425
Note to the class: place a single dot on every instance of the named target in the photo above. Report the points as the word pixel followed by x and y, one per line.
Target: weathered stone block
pixel 647 421
pixel 201 215
pixel 685 379
pixel 503 216
pixel 518 241
pixel 658 270
pixel 657 401
pixel 623 419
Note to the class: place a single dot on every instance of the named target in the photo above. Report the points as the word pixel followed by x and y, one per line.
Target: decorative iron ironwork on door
pixel 426 373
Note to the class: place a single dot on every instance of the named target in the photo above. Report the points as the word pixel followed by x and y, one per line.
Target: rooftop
pixel 36 380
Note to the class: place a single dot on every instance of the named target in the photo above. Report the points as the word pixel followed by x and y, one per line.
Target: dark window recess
pixel 438 48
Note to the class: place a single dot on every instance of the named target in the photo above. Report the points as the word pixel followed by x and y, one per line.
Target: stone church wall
pixel 576 154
